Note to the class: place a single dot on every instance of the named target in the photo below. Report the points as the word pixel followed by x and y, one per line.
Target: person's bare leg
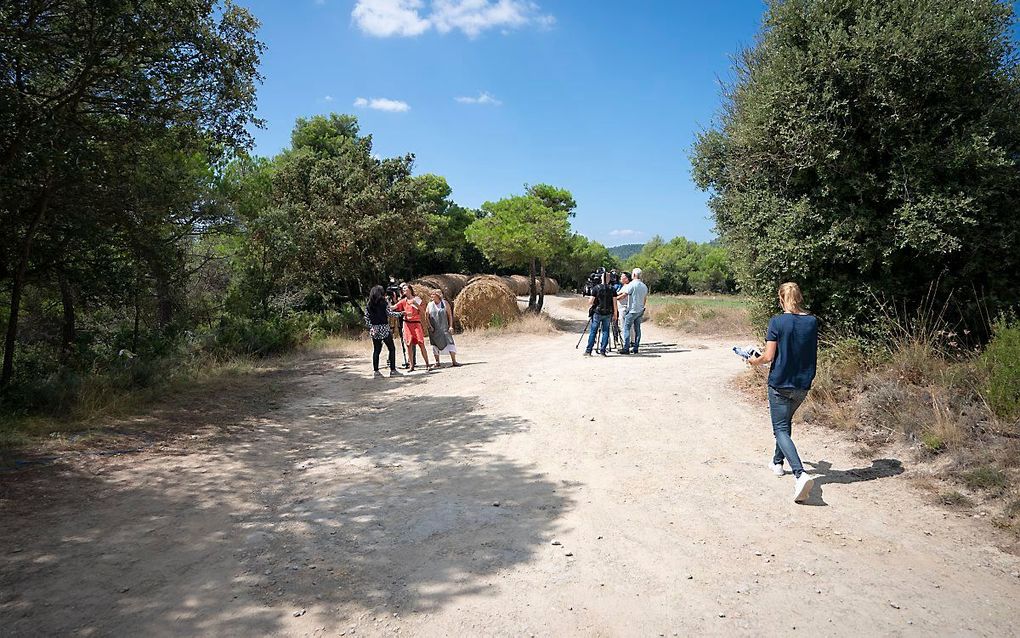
pixel 439 364
pixel 410 353
pixel 425 353
pixel 453 358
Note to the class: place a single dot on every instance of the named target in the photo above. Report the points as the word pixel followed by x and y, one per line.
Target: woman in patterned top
pixel 377 316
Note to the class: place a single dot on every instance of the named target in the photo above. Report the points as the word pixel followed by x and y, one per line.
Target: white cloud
pixel 625 232
pixel 383 104
pixel 385 18
pixel 328 98
pixel 483 98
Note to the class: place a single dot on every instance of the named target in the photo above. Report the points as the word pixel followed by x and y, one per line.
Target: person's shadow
pixel 825 475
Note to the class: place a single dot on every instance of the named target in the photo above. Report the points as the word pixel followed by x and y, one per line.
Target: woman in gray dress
pixel 440 315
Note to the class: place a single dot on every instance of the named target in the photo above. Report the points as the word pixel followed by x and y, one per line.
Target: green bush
pixel 1001 360
pixel 330 323
pixel 865 149
pixel 985 478
pixel 260 337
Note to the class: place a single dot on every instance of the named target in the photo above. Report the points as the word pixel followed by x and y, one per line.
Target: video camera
pixel 393 291
pixel 594 279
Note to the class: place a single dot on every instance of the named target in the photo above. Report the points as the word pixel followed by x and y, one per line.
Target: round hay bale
pixel 552 287
pixel 521 285
pixel 485 302
pixel 450 284
pixel 424 288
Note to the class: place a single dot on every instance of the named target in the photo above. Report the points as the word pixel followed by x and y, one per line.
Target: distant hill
pixel 624 252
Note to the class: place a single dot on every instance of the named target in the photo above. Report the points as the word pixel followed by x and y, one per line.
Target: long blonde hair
pixel 790 298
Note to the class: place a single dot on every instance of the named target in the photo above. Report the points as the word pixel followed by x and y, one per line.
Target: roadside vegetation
pixel 145 246
pixel 869 151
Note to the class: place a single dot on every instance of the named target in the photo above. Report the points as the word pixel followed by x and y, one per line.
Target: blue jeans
pixel 782 404
pixel 598 320
pixel 632 325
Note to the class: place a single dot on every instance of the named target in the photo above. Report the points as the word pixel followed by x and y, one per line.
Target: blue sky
pixel 601 98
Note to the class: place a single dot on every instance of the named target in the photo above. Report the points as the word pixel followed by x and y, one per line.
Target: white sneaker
pixel 777 469
pixel 803 487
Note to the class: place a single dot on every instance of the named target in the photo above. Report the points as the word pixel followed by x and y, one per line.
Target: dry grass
pixel 703 317
pixel 916 392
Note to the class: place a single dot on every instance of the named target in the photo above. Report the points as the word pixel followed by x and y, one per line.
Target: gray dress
pixel 439 322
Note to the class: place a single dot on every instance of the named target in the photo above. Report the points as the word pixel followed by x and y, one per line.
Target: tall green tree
pixel 559 200
pixel 868 148
pixel 79 79
pixel 579 258
pixel 518 231
pixel 441 246
pixel 337 216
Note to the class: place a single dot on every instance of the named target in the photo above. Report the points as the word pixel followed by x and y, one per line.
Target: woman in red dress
pixel 411 306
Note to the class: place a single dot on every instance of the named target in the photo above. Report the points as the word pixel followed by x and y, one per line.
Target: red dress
pixel 413 333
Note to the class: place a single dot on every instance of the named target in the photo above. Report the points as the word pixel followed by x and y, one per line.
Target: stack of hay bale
pixel 521 285
pixel 486 301
pixel 450 284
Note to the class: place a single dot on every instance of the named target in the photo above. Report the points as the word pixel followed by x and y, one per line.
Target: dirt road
pixel 531 492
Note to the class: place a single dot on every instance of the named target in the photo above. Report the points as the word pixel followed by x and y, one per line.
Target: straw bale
pixel 486 301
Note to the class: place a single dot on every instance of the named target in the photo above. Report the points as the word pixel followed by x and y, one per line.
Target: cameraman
pixel 603 312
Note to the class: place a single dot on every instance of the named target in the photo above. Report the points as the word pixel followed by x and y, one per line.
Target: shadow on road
pixel 349 499
pixel 880 468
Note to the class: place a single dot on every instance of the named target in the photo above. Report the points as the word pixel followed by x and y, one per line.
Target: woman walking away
pixel 378 315
pixel 440 315
pixel 414 334
pixel 791 346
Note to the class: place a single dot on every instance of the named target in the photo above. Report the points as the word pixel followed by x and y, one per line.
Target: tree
pixel 336 216
pixel 81 78
pixel 561 201
pixel 441 246
pixel 868 148
pixel 516 231
pixel 579 258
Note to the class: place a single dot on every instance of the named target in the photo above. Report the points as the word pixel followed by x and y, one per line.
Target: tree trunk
pixel 541 289
pixel 138 312
pixel 67 329
pixel 354 300
pixel 164 301
pixel 531 288
pixel 18 285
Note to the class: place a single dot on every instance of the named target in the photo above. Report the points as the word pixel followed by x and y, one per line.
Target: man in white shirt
pixel 636 295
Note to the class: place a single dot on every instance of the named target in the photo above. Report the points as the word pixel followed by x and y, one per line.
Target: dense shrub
pixel 243 335
pixel 1001 360
pixel 866 148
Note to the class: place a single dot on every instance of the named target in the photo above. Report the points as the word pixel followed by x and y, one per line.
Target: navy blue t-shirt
pixel 796 338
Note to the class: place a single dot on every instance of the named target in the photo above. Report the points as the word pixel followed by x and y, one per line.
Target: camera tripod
pixel 615 334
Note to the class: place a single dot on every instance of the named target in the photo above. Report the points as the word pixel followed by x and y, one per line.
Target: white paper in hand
pixel 746 352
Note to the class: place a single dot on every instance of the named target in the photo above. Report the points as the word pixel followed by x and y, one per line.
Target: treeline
pixel 140 237
pixel 870 151
pixel 684 267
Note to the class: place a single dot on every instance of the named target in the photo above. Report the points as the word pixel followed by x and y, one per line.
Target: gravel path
pixel 531 492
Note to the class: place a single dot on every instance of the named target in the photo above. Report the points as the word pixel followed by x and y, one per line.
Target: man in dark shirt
pixel 603 306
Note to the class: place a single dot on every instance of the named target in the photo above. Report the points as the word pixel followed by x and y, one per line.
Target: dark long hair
pixel 377 297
